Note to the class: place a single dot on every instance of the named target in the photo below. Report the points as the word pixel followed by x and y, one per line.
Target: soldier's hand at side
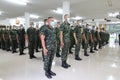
pixel 45 51
pixel 62 44
pixel 18 42
pixel 86 41
pixel 76 42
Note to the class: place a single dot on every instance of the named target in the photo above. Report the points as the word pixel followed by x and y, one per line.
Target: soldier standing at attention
pixel 85 39
pixel 92 39
pixel 20 39
pixel 57 32
pixel 97 39
pixel 13 37
pixel 72 40
pixel 45 24
pixel 65 41
pixel 37 39
pixel 48 39
pixel 31 40
pixel 2 39
pixel 6 37
pixel 78 39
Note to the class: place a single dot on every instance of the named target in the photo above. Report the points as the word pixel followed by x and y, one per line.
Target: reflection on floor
pixel 102 65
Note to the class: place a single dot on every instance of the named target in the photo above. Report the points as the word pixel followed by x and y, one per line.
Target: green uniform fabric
pixel 72 40
pixel 50 41
pixel 97 36
pixel 2 40
pixel 7 39
pixel 21 38
pixel 37 39
pixel 77 30
pixel 40 42
pixel 13 34
pixel 87 36
pixel 31 38
pixel 65 27
pixel 57 32
pixel 102 38
pixel 92 32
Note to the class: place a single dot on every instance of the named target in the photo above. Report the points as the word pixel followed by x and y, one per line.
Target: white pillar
pixel 66 8
pixel 27 20
pixel 27 24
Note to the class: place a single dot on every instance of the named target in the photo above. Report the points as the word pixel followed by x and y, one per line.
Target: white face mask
pixel 52 24
pixel 46 23
pixel 68 19
pixel 80 24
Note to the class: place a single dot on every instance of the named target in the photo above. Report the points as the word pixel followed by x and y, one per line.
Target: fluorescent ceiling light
pixel 58 11
pixel 20 2
pixel 34 16
pixel 113 14
pixel 20 18
pixel 77 17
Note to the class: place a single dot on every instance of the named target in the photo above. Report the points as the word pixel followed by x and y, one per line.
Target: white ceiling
pixel 88 9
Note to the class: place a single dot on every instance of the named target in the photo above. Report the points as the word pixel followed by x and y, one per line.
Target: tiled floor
pixel 102 65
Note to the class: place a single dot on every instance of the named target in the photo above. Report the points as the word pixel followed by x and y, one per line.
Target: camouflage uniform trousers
pixel 91 45
pixel 65 51
pixel 31 48
pixel 7 44
pixel 77 48
pixel 85 45
pixel 2 44
pixel 21 46
pixel 100 44
pixel 14 45
pixel 48 60
pixel 58 46
pixel 96 43
pixel 37 43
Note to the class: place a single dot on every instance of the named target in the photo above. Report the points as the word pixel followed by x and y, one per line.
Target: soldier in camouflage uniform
pixel 48 40
pixel 31 40
pixel 78 39
pixel 13 37
pixel 6 37
pixel 21 39
pixel 2 38
pixel 57 32
pixel 92 39
pixel 72 40
pixel 37 38
pixel 97 39
pixel 45 24
pixel 65 41
pixel 102 37
pixel 85 39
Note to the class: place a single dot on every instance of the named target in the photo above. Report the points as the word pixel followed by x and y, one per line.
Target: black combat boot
pixel 85 54
pixel 52 73
pixel 64 65
pixel 58 55
pixel 95 49
pixel 47 74
pixel 67 64
pixel 91 50
pixel 77 58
